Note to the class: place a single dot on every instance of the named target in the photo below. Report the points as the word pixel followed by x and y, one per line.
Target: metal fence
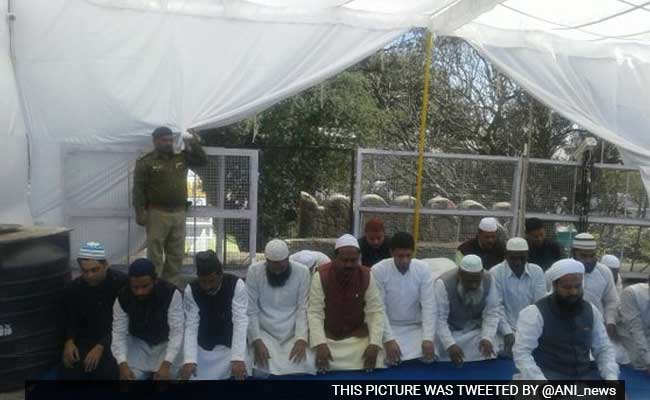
pixel 97 183
pixel 459 189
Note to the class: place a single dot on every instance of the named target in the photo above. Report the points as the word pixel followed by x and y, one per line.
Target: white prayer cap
pixel 471 263
pixel 611 261
pixel 346 240
pixel 517 244
pixel 276 250
pixel 564 267
pixel 488 224
pixel 584 241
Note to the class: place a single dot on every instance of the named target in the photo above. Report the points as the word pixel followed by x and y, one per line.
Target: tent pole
pixel 423 125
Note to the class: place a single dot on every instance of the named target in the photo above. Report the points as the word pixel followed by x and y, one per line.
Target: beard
pixel 571 305
pixel 278 279
pixel 470 298
pixel 589 267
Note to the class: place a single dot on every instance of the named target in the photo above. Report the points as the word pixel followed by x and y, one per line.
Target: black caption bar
pixel 327 390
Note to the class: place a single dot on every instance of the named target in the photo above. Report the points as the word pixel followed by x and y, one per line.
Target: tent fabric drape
pixel 98 75
pixel 592 78
pixel 13 163
pixel 106 72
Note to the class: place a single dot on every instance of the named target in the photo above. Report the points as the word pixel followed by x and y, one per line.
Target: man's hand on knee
pixel 70 354
pixel 187 371
pixel 323 358
pixel 261 353
pixel 299 351
pixel 164 372
pixel 456 355
pixel 238 370
pixel 370 357
pixel 393 352
pixel 125 372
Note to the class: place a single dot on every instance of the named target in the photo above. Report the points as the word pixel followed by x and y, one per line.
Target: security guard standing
pixel 160 199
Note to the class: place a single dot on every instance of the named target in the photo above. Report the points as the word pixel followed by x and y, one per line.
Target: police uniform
pixel 160 188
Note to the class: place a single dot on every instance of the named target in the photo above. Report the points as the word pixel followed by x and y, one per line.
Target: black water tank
pixel 34 268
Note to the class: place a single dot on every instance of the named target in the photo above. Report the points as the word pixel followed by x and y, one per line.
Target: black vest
pixel 215 313
pixel 148 319
pixel 566 340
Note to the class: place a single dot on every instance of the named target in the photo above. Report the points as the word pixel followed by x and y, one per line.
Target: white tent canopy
pixel 587 59
pixel 106 72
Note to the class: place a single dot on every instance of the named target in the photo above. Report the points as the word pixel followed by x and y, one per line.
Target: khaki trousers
pixel 166 242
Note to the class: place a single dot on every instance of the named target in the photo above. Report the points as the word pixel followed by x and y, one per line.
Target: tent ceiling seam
pixel 551 22
pixel 609 17
pixel 563 27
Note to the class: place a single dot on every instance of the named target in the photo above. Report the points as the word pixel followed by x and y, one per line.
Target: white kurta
pixel 215 364
pixel 410 313
pixel 599 290
pixel 278 316
pixel 634 324
pixel 141 357
pixel 529 329
pixel 517 293
pixel 468 339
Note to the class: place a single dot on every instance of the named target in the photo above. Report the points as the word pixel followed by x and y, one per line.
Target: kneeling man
pixel 215 323
pixel 277 312
pixel 346 322
pixel 148 325
pixel 469 310
pixel 406 288
pixel 556 334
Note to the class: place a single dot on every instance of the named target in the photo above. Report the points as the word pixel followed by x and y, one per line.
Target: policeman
pixel 160 199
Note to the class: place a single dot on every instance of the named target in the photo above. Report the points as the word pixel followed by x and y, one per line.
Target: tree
pixel 473 108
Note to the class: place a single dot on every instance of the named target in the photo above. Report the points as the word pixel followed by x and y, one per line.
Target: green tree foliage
pixel 307 140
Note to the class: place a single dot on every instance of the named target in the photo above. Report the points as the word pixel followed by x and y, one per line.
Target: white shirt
pixel 279 311
pixel 492 313
pixel 408 298
pixel 599 290
pixel 175 319
pixel 239 323
pixel 517 293
pixel 635 315
pixel 529 329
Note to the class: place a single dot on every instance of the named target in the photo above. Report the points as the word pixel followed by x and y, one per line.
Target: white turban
pixel 346 240
pixel 310 258
pixel 563 267
pixel 488 224
pixel 276 250
pixel 517 244
pixel 611 261
pixel 471 263
pixel 584 241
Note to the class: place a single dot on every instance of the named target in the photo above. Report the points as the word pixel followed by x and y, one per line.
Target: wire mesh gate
pixel 459 189
pixel 97 182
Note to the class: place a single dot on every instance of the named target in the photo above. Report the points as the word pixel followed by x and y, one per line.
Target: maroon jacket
pixel 344 302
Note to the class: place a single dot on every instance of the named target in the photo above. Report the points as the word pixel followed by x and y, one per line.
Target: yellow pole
pixel 423 126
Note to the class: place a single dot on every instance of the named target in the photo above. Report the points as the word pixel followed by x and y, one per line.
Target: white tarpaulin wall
pixel 102 75
pixel 108 71
pixel 13 162
pixel 587 59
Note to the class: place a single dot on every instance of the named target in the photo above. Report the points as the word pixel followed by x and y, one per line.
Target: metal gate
pixel 97 182
pixel 459 189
